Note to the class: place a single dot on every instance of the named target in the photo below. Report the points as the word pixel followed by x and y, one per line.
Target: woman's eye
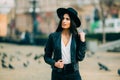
pixel 67 19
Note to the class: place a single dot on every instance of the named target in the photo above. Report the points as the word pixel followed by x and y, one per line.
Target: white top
pixel 66 55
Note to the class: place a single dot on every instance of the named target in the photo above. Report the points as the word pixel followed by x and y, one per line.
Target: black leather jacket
pixel 53 50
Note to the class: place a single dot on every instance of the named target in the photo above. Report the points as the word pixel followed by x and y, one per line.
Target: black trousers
pixel 65 76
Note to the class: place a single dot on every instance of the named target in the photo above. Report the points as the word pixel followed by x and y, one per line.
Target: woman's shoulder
pixel 54 34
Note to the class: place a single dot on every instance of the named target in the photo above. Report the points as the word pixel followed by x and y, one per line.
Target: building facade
pixel 46 18
pixel 7 13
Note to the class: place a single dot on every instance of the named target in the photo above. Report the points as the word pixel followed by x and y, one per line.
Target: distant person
pixel 65 47
pixel 25 37
pixel 22 37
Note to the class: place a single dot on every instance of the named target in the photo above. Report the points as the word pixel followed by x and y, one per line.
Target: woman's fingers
pixel 59 64
pixel 82 36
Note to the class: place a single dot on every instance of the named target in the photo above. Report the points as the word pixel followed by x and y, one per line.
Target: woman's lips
pixel 64 24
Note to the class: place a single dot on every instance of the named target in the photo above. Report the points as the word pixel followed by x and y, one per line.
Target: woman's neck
pixel 66 32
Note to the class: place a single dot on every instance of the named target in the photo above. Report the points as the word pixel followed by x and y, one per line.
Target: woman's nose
pixel 64 20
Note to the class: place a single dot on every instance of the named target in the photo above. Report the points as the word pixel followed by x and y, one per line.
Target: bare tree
pixel 103 21
pixel 109 4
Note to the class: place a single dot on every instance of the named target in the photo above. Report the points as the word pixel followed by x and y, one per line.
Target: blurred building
pixel 45 10
pixel 7 15
pixel 3 25
pixel 46 15
pixel 20 18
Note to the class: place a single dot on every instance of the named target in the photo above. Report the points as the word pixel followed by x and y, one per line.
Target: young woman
pixel 66 47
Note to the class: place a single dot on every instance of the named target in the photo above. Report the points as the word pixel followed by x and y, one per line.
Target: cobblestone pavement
pixel 20 62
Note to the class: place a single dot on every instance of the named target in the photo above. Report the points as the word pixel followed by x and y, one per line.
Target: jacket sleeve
pixel 81 51
pixel 49 51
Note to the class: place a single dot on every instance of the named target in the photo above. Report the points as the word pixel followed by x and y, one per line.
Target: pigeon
pixel 103 67
pixel 11 58
pixel 26 64
pixel 118 72
pixel 4 66
pixel 10 66
pixel 38 56
pixel 4 55
pixel 2 61
pixel 28 55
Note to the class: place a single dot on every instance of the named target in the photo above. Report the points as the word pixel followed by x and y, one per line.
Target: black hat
pixel 72 12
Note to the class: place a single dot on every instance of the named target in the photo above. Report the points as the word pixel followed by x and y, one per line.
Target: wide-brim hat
pixel 72 13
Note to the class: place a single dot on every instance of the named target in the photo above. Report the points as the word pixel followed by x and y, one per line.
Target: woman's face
pixel 66 21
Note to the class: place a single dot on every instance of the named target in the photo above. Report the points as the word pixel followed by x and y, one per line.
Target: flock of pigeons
pixel 6 60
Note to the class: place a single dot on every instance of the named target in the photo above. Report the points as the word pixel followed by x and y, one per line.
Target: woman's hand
pixel 59 64
pixel 82 36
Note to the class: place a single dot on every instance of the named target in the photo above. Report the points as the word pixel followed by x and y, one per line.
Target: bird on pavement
pixel 4 66
pixel 25 64
pixel 10 66
pixel 118 72
pixel 38 56
pixel 103 67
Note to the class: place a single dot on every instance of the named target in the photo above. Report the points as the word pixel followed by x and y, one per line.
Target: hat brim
pixel 62 11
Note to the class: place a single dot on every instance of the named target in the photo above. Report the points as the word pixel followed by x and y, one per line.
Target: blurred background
pixel 37 18
pixel 26 24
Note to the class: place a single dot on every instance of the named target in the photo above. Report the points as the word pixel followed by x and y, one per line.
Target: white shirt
pixel 66 55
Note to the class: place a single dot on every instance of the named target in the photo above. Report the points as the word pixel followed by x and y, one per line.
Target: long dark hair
pixel 72 28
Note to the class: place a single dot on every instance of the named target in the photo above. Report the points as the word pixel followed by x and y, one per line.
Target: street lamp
pixel 34 10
